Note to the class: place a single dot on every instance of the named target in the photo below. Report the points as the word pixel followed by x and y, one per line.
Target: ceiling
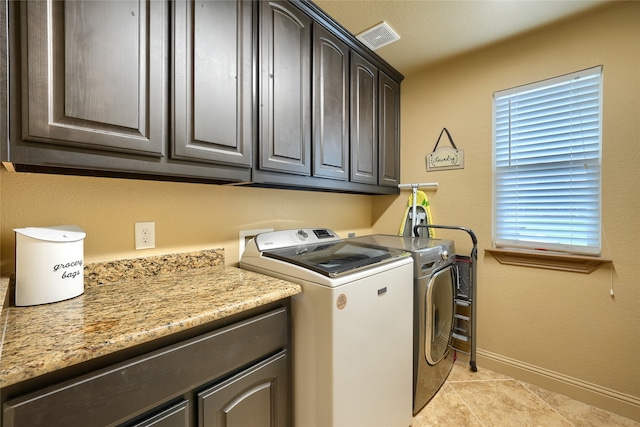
pixel 434 30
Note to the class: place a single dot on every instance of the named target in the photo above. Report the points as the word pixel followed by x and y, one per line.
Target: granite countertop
pixel 126 303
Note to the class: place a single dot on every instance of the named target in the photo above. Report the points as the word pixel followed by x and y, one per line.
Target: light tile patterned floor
pixel 485 398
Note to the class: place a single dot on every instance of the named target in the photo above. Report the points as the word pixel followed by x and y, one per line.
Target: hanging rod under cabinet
pixel 432 185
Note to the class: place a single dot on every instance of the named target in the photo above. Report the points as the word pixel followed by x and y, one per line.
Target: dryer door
pixel 439 314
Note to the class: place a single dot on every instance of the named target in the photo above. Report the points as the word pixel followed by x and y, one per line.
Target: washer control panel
pixel 287 238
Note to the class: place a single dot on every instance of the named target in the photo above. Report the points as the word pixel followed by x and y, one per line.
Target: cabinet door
pixel 285 88
pixel 364 121
pixel 389 132
pixel 94 74
pixel 330 106
pixel 256 397
pixel 212 98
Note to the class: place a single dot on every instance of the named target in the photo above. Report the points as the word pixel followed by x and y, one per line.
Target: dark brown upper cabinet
pixel 91 80
pixel 307 61
pixel 212 75
pixel 388 131
pixel 364 121
pixel 285 88
pixel 330 106
pixel 95 74
pixel 265 93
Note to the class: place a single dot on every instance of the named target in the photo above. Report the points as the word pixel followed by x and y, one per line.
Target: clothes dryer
pixel 433 309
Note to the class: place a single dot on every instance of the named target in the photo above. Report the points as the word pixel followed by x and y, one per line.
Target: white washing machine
pixel 352 326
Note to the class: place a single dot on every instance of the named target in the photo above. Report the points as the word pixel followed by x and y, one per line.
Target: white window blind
pixel 547 142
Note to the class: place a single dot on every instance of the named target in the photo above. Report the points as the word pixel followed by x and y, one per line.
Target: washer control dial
pixel 302 235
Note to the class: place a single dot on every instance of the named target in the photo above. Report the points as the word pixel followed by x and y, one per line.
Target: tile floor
pixel 486 398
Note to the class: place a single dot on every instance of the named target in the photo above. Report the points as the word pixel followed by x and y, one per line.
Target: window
pixel 547 138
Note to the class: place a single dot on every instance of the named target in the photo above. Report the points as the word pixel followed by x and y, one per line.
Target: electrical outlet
pixel 145 235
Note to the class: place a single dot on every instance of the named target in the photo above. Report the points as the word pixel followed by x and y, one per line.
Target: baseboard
pixel 592 394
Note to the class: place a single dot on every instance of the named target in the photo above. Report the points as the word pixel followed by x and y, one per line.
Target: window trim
pixel 548 260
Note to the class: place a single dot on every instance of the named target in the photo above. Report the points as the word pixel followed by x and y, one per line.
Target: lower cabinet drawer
pixel 115 394
pixel 175 416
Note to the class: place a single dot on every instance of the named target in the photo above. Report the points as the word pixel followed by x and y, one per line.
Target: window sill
pixel 548 260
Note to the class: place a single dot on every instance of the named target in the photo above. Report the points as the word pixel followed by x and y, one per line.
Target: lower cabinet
pixel 234 376
pixel 256 397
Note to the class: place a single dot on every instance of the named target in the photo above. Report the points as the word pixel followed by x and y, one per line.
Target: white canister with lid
pixel 49 264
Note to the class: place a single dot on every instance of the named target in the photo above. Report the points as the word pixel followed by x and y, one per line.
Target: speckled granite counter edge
pixel 4 289
pixel 160 295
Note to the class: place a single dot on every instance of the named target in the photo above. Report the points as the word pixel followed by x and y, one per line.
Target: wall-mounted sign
pixel 444 158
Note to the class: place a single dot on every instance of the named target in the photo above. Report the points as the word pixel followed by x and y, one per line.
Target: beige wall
pixel 556 328
pixel 187 216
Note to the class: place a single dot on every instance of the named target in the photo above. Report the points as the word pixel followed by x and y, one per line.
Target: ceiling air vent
pixel 378 36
